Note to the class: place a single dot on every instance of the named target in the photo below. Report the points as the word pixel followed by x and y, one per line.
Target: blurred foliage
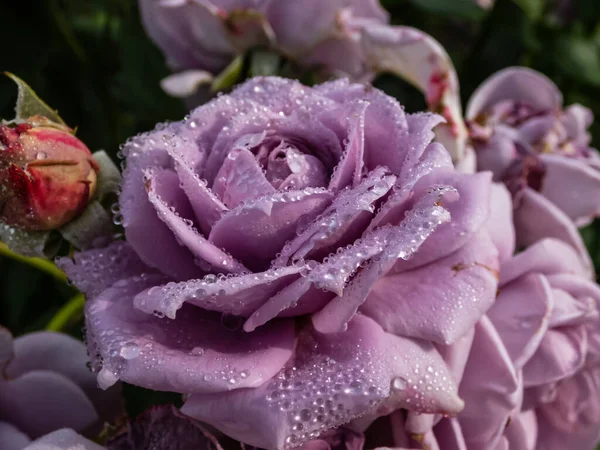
pixel 92 61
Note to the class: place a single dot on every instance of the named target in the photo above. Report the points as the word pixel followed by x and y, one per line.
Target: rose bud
pixel 47 175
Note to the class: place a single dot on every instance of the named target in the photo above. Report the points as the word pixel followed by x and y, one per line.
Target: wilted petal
pixel 175 211
pixel 491 389
pixel 439 301
pixel 521 315
pixel 365 367
pixel 195 353
pixel 560 355
pixel 64 439
pixel 573 186
pixel 256 231
pixel 515 83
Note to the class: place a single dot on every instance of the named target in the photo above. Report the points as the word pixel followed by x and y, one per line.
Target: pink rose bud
pixel 47 175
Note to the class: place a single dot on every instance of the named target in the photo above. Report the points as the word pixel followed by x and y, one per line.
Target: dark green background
pixel 91 60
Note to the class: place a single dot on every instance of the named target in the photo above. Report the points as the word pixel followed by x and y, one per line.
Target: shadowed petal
pixel 11 438
pixel 64 439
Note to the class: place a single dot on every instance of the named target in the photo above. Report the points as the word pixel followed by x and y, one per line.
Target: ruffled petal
pixel 439 301
pixel 500 223
pixel 522 431
pixel 515 83
pixel 573 186
pixel 197 352
pixel 238 295
pixel 561 354
pixel 491 389
pixel 256 231
pixel 450 433
pixel 92 271
pixel 547 257
pixel 521 315
pixel 175 211
pixel 537 218
pixel 336 377
pixel 241 179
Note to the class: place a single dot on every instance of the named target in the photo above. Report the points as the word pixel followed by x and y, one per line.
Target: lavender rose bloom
pixel 522 133
pixel 301 243
pixel 46 386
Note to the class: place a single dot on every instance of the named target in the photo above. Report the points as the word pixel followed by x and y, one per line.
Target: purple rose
pixel 289 251
pixel 46 386
pixel 337 38
pixel 521 133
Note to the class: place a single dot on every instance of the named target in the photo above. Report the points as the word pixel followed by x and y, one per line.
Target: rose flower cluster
pixel 313 267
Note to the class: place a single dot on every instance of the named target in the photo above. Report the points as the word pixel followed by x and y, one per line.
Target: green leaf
pixel 229 76
pixel 29 104
pixel 533 8
pixel 580 58
pixel 263 63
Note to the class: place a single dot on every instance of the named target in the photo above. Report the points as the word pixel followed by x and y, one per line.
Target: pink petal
pixel 449 432
pixel 491 389
pixel 561 354
pixel 239 295
pixel 500 222
pixel 11 438
pixel 256 231
pixel 537 218
pixel 515 83
pixel 521 315
pixel 194 353
pixel 439 301
pixel 522 432
pixel 331 370
pixel 175 211
pixel 573 186
pixel 241 179
pixel 92 271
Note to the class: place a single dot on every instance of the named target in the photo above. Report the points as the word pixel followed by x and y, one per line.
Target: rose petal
pixel 151 239
pixel 255 232
pixel 341 223
pixel 175 211
pixel 6 347
pixel 379 369
pixel 450 433
pixel 515 83
pixel 41 401
pixel 560 354
pixel 522 431
pixel 537 218
pixel 469 214
pixel 573 186
pixel 402 242
pixel 241 179
pixel 491 389
pixel 94 270
pixel 521 315
pixel 349 169
pixel 239 295
pixel 500 222
pixel 571 311
pixel 439 301
pixel 195 353
pixel 548 256
pixel 186 83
